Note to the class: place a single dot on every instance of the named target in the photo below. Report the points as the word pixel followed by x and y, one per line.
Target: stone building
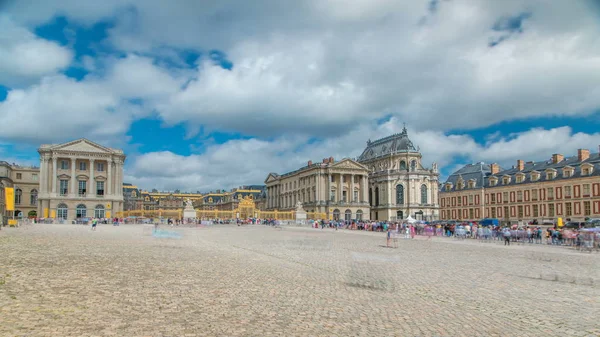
pixel 560 187
pixel 80 179
pixel 338 189
pixel 132 198
pixel 25 181
pixel 399 184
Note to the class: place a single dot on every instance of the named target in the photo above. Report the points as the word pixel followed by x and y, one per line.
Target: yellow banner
pixel 10 198
pixel 53 214
pixel 45 212
pixel 560 222
pixel 107 206
pixel 107 214
pixel 12 223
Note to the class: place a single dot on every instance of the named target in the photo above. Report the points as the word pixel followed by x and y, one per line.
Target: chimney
pixel 331 160
pixel 557 158
pixel 309 162
pixel 494 168
pixel 325 160
pixel 520 165
pixel 583 154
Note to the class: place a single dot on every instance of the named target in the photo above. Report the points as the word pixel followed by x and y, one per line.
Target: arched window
pixel 99 211
pixel 399 194
pixel 413 165
pixel 61 211
pixel 348 215
pixel 402 165
pixel 336 214
pixel 376 196
pixel 81 211
pixel 423 194
pixel 371 196
pixel 33 197
pixel 18 195
pixel 359 215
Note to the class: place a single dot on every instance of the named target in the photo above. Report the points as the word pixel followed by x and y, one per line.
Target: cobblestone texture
pixel 65 280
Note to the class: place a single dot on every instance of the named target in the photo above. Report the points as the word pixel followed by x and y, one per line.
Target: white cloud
pixel 241 162
pixel 24 58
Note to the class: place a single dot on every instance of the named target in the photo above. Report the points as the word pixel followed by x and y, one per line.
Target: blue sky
pixel 206 95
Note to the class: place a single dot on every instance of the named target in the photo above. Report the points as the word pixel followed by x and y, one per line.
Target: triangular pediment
pixel 348 164
pixel 271 177
pixel 82 145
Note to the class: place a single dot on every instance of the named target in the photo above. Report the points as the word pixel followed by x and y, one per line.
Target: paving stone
pixel 66 280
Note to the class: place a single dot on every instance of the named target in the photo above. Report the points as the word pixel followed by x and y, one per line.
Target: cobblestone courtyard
pixel 65 280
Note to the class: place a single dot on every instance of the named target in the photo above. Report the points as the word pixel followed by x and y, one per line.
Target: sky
pixel 214 94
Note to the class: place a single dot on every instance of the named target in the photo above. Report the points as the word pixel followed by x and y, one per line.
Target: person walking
pixel 94 223
pixel 506 237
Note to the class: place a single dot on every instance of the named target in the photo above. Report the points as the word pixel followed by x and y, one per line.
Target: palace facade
pixel 337 189
pixel 25 181
pixel 560 187
pixel 399 184
pixel 80 179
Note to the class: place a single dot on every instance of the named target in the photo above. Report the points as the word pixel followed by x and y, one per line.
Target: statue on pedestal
pixel 189 212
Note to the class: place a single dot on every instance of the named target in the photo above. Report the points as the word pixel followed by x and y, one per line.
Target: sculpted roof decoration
pixel 80 145
pixel 396 143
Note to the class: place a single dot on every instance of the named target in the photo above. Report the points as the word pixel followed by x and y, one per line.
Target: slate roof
pixel 482 173
pixel 541 167
pixel 478 171
pixel 396 143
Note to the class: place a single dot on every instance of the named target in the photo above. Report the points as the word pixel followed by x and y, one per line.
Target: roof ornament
pixel 404 132
pixel 369 142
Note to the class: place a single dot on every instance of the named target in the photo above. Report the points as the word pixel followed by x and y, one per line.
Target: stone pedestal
pixel 189 212
pixel 300 214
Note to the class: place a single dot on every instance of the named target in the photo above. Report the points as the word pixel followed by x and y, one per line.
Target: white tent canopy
pixel 410 219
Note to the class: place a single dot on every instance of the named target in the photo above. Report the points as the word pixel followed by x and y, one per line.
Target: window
pixel 550 192
pixel 567 173
pixel 506 212
pixel 567 191
pixel 34 177
pixel 534 194
pixel 376 196
pixel 82 166
pixel 568 209
pixel 33 197
pixel 100 167
pixel 82 188
pixel 519 195
pixel 332 178
pixel 355 196
pixel 19 176
pixel 549 175
pixel 459 201
pixel 423 194
pixel 493 212
pixel 585 171
pixel 345 196
pixel 535 211
pixel 336 214
pixel 471 213
pixel 332 195
pixel 370 196
pixel 520 209
pixel 551 210
pixel 413 165
pixel 348 215
pixel 505 180
pixel 64 165
pixel 471 199
pixel 64 187
pixel 471 184
pixel 359 215
pixel 18 195
pixel 99 211
pixel 493 182
pixel 535 176
pixel 100 188
pixel 402 165
pixel 81 211
pixel 61 211
pixel 519 179
pixel 505 197
pixel 586 189
pixel 399 195
pixel 587 210
pixel 493 198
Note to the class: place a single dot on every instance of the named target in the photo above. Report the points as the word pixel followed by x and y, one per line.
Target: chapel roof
pixel 396 143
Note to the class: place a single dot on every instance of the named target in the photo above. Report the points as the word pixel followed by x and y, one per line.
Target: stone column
pixel 73 179
pixel 53 175
pixel 351 190
pixel 365 188
pixel 389 188
pixel 317 187
pixel 108 177
pixel 43 171
pixel 327 195
pixel 92 185
pixel 341 187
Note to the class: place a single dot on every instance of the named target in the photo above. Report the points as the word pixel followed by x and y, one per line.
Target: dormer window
pixel 471 183
pixel 534 176
pixel 568 172
pixel 448 187
pixel 505 180
pixel 520 178
pixel 550 175
pixel 493 181
pixel 586 169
